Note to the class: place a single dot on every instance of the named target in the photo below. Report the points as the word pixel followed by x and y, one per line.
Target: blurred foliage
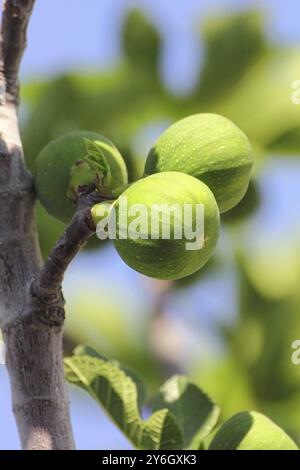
pixel 187 281
pixel 247 207
pixel 249 81
pixel 259 360
pixel 271 324
pixel 233 44
pixel 99 321
pixel 261 103
pixel 141 43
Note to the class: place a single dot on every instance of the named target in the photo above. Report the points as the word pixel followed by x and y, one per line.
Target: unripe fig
pixel 78 159
pixel 169 254
pixel 212 149
pixel 251 431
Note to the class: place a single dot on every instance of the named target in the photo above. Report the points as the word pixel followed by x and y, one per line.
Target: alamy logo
pixel 295 98
pixel 295 357
pixel 159 221
pixel 2 352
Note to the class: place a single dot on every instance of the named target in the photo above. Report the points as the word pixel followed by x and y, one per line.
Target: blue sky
pixel 76 34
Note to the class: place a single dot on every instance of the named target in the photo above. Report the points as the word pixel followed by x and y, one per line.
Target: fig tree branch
pixel 16 15
pixel 80 229
pixel 31 324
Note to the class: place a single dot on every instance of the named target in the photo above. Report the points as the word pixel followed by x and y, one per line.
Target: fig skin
pixel 249 430
pixel 212 149
pixel 162 258
pixel 60 168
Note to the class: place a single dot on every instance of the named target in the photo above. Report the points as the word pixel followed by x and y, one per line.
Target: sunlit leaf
pixel 194 410
pixel 117 393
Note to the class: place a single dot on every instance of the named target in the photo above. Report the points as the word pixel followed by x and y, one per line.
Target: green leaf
pixel 250 430
pixel 117 393
pixel 195 412
pixel 83 350
pixel 95 156
pixel 97 162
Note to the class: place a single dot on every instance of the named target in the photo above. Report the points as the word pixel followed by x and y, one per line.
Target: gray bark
pixel 31 303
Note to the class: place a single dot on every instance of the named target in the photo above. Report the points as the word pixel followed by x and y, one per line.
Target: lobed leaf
pixel 195 412
pixel 117 393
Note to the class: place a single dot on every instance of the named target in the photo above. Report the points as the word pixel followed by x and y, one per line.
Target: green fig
pixel 175 253
pixel 78 159
pixel 212 149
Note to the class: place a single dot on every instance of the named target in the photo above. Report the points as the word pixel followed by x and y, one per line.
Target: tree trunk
pixel 31 316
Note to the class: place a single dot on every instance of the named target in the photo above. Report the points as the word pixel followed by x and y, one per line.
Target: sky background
pixel 77 34
pixel 59 38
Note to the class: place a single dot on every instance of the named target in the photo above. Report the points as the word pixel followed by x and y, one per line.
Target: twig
pixel 16 15
pixel 80 229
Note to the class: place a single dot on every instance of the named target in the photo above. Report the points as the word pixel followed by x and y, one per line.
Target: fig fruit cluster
pixel 203 159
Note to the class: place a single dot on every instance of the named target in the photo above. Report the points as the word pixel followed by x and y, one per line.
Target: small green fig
pixel 159 202
pixel 212 149
pixel 250 430
pixel 78 159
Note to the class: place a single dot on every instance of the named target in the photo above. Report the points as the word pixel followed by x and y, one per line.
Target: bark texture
pixel 31 302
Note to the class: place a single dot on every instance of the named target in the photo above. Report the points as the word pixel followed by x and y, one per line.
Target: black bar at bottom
pixel 131 459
